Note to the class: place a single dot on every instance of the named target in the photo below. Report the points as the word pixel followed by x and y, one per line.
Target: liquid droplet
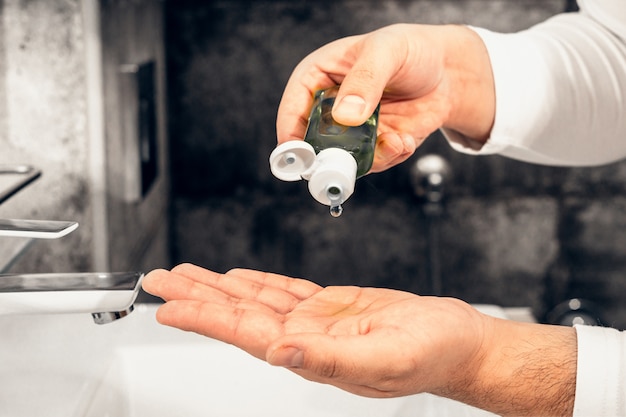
pixel 336 211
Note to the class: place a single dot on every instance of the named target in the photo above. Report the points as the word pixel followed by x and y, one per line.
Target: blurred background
pixel 152 122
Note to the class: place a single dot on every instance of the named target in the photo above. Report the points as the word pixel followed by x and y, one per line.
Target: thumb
pixel 322 357
pixel 364 84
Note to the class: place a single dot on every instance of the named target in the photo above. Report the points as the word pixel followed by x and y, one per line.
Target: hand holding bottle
pixel 425 78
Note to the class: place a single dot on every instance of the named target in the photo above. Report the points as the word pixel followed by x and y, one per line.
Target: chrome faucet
pixel 107 296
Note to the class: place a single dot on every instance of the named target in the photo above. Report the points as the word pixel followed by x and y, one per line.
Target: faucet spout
pixel 106 296
pixel 110 317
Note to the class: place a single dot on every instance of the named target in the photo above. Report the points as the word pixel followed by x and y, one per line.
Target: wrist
pixel 470 83
pixel 524 369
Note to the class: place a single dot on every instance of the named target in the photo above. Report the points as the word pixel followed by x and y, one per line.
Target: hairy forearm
pixel 523 370
pixel 470 83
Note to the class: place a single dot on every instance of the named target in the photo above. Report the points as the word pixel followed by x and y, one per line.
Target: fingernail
pixel 350 106
pixel 288 357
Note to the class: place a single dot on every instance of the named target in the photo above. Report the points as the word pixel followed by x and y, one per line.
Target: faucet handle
pixel 37 229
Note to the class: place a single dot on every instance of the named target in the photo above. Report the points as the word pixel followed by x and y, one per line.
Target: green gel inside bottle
pixel 324 132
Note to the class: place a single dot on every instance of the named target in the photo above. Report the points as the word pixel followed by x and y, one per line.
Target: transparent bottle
pixel 331 157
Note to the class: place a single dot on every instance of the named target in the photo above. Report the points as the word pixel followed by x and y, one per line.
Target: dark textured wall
pixel 510 233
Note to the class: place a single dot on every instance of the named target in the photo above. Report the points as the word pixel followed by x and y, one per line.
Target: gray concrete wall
pixel 43 122
pixel 133 34
pixel 46 121
pixel 512 233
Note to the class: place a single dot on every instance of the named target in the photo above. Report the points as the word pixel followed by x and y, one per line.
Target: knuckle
pixel 327 369
pixel 363 74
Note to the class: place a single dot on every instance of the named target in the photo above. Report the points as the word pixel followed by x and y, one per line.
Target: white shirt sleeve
pixel 560 89
pixel 561 100
pixel 601 375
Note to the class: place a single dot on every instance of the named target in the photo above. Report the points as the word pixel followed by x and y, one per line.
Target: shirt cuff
pixel 601 377
pixel 509 70
pixel 523 100
pixel 559 94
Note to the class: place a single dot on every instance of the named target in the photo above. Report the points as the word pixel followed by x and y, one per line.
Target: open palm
pixel 370 341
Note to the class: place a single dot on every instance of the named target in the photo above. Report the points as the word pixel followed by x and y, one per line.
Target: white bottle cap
pixel 333 177
pixel 331 173
pixel 290 159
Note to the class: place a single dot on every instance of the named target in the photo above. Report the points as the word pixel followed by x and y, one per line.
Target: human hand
pixel 372 342
pixel 376 342
pixel 425 78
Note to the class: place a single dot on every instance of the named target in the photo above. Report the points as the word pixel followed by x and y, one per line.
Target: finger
pixel 295 105
pixel 279 292
pixel 393 149
pixel 376 61
pixel 293 113
pixel 245 328
pixel 323 68
pixel 153 281
pixel 299 288
pixel 248 281
pixel 361 364
pixel 171 286
pixel 188 282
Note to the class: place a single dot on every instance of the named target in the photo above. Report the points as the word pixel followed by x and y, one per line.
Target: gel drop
pixel 332 155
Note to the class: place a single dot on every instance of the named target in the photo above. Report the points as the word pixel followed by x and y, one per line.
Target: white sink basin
pixel 64 365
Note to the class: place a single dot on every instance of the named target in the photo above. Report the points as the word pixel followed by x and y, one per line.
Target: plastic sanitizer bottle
pixel 331 157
